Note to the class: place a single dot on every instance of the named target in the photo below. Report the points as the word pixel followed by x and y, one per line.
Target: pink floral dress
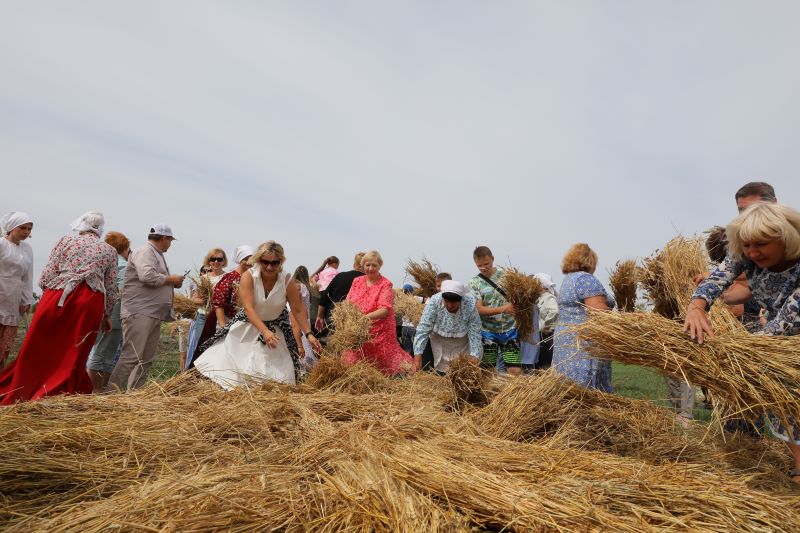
pixel 383 350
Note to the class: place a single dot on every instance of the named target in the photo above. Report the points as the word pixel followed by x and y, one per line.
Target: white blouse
pixel 16 279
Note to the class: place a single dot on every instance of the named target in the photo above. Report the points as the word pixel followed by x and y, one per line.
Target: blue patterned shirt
pixel 777 292
pixel 437 319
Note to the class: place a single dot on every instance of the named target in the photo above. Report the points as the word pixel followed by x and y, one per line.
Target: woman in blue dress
pixel 580 290
pixel 764 244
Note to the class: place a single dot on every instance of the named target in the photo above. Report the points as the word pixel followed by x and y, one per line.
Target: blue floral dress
pixel 569 357
pixel 778 293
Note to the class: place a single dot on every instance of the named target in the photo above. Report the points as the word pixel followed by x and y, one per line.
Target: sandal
pixel 794 473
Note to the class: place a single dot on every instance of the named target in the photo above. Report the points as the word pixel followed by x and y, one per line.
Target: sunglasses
pixel 216 259
pixel 275 263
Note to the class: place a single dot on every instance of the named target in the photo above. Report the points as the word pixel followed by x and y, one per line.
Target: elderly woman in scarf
pixel 80 289
pixel 451 322
pixel 16 277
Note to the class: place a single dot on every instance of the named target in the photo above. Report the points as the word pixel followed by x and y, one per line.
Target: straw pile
pixel 749 374
pixel 668 277
pixel 406 305
pixel 623 280
pixel 186 456
pixel 351 328
pixel 424 274
pixel 522 291
pixel 184 306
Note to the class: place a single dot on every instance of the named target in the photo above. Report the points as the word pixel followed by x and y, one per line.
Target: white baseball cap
pixel 162 229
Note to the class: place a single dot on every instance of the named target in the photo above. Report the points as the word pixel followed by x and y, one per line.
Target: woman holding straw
pixel 764 244
pixel 306 350
pixel 373 294
pixel 258 344
pixel 80 290
pixel 214 264
pixel 16 277
pixel 579 290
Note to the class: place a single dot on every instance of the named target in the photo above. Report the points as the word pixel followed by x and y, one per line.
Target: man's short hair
pixel 763 190
pixel 444 276
pixel 154 237
pixel 717 244
pixel 482 251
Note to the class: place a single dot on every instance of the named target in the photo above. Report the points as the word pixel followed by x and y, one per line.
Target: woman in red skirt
pixel 80 289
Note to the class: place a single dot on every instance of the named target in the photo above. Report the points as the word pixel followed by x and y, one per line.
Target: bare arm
pixel 596 302
pixel 222 320
pixel 299 313
pixel 484 310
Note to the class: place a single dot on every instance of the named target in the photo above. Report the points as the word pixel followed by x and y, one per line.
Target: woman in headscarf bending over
pixel 79 287
pixel 16 277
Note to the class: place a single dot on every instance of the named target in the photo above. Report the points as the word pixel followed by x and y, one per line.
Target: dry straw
pixel 351 328
pixel 623 281
pixel 406 305
pixel 522 291
pixel 186 456
pixel 749 374
pixel 424 274
pixel 183 306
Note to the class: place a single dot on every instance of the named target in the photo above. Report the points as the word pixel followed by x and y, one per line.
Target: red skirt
pixel 53 356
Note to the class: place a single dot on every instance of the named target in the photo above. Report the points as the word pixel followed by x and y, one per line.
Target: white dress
pixel 16 279
pixel 240 358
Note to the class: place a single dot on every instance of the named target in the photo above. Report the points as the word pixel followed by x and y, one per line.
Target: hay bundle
pixel 179 328
pixel 522 291
pixel 668 277
pixel 351 328
pixel 468 380
pixel 623 281
pixel 203 289
pixel 184 306
pixel 424 274
pixel 750 374
pixel 406 305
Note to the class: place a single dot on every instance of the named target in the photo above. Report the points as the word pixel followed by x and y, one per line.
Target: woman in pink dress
pixel 373 294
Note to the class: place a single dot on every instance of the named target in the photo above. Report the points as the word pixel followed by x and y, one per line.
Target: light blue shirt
pixel 437 319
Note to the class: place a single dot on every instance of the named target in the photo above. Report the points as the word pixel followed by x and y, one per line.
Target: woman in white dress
pixel 16 277
pixel 258 343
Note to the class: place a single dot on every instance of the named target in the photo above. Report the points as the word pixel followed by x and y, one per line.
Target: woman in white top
pixel 16 277
pixel 548 317
pixel 307 356
pixel 213 269
pixel 258 344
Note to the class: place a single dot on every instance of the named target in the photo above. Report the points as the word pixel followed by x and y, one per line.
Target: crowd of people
pixel 98 323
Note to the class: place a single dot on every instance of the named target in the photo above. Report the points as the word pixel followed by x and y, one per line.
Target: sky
pixel 417 128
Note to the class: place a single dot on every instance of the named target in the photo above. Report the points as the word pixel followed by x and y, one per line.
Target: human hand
pixel 106 324
pixel 697 324
pixel 417 363
pixel 319 324
pixel 24 309
pixel 700 278
pixel 508 308
pixel 315 344
pixel 175 281
pixel 268 339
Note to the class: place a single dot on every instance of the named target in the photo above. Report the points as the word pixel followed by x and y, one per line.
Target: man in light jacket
pixel 147 301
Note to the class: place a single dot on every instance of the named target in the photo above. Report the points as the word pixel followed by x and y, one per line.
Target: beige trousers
pixel 682 395
pixel 140 335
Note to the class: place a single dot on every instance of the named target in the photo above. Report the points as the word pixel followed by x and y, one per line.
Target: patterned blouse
pixel 437 319
pixel 82 258
pixel 777 292
pixel 492 298
pixel 226 293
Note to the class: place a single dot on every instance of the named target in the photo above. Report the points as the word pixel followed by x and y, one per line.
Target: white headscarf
pixel 14 219
pixel 547 283
pixel 90 221
pixel 242 252
pixel 456 287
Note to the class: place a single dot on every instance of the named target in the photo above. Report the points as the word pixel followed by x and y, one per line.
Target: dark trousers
pixel 545 353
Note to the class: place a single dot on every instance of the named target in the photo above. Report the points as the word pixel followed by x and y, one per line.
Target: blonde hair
pixel 765 221
pixel 579 258
pixel 215 251
pixel 266 248
pixel 357 260
pixel 372 255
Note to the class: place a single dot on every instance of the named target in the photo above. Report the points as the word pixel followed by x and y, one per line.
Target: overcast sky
pixel 413 128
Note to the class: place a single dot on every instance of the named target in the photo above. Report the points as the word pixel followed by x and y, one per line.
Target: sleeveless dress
pixel 239 357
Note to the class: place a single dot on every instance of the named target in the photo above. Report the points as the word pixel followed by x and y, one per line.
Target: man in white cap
pixel 452 324
pixel 147 301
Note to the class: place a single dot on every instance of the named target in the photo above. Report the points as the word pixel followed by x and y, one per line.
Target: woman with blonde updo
pixel 258 343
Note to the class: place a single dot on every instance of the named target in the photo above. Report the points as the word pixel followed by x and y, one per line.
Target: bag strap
pixel 494 285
